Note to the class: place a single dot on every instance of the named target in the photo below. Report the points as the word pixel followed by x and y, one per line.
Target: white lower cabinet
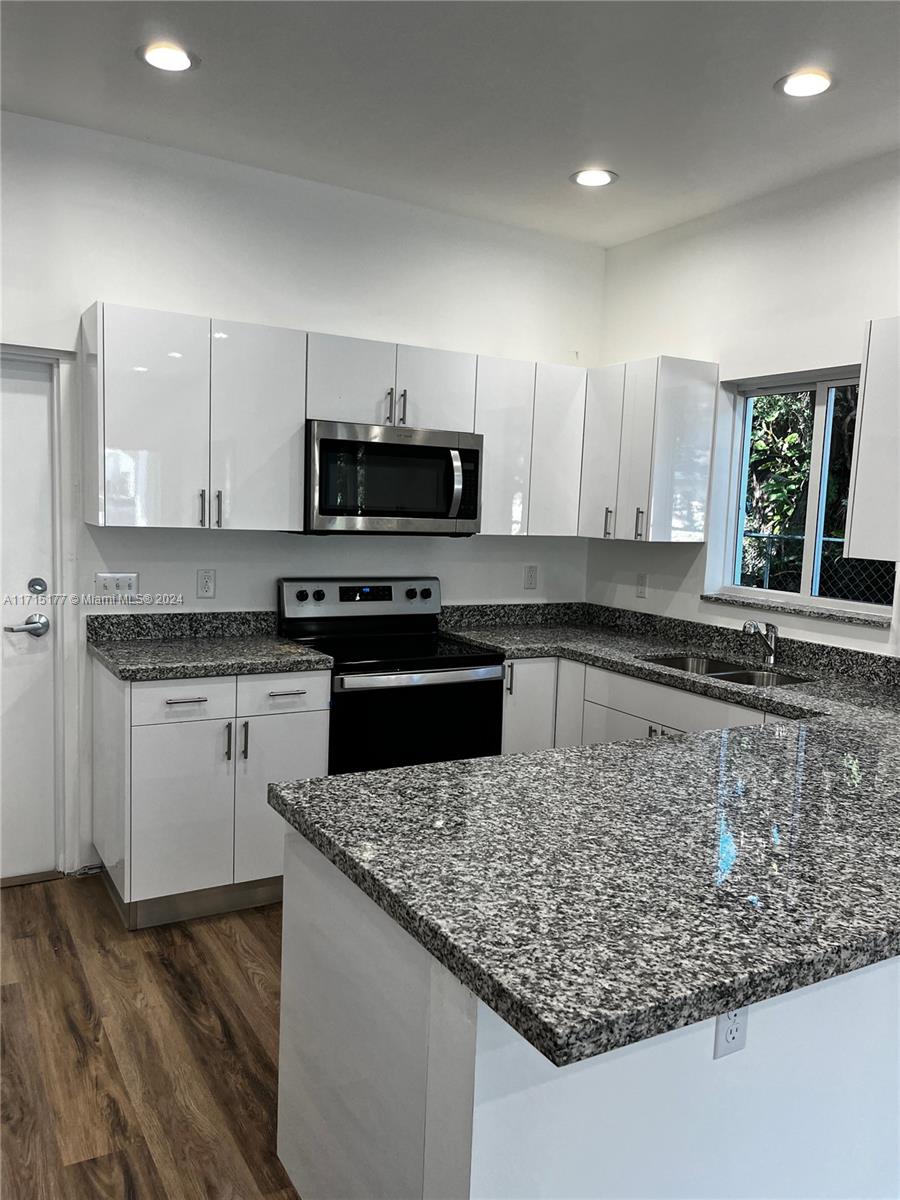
pixel 182 807
pixel 622 707
pixel 181 770
pixel 529 705
pixel 271 748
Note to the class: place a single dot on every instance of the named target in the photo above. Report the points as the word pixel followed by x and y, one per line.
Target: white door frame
pixel 72 799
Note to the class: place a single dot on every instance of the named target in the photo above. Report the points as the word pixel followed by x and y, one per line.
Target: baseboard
pixel 185 906
pixel 34 877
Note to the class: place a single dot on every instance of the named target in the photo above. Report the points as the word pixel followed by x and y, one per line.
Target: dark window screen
pixel 368 479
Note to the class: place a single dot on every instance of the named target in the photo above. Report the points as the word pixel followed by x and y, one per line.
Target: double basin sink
pixel 720 668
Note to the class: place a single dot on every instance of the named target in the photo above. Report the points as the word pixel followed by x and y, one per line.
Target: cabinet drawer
pixel 298 691
pixel 165 701
pixel 663 705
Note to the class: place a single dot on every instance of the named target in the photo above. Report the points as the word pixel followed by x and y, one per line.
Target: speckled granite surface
pixel 195 658
pixel 126 627
pixel 598 895
pixel 843 616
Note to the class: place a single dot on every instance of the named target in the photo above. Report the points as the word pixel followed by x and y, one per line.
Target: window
pixel 792 510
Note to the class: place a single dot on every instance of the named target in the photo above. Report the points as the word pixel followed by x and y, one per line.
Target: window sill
pixel 800 608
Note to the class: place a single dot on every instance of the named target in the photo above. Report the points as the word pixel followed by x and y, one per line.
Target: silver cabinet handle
pixel 638 524
pixel 219 510
pixel 390 411
pixel 403 398
pixel 245 750
pixel 457 485
pixel 36 625
pixel 190 700
pixel 293 692
pixel 606 517
pixel 510 667
pixel 203 508
pixel 228 737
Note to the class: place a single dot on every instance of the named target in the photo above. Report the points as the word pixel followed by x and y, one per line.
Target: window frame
pixel 742 393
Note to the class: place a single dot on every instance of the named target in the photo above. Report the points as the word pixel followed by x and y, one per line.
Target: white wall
pixel 781 283
pixel 93 216
pixel 784 283
pixel 471 570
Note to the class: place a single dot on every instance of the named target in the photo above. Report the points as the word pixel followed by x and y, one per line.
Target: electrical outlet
pixel 531 576
pixel 641 589
pixel 121 584
pixel 731 1031
pixel 206 583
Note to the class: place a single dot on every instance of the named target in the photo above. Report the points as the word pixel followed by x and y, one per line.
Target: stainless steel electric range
pixel 402 691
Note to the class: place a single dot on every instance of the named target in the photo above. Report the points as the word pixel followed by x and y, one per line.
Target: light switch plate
pixel 531 578
pixel 641 589
pixel 121 584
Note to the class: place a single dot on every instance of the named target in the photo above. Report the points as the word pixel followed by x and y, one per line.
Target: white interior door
pixel 28 775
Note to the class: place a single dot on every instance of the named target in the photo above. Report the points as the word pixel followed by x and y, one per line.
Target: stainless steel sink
pixel 761 678
pixel 697 664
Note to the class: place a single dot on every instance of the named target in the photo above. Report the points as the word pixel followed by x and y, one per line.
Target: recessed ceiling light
pixel 811 81
pixel 594 177
pixel 167 56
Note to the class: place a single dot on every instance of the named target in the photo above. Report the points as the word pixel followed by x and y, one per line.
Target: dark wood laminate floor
pixel 137 1066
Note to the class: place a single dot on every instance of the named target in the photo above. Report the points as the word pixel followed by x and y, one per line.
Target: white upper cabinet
pixel 351 379
pixel 636 454
pixel 556 450
pixel 873 516
pixel 668 417
pixel 682 449
pixel 504 405
pixel 257 415
pixel 435 389
pixel 600 457
pixel 153 420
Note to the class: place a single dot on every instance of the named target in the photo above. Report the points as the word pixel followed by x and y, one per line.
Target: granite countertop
pixel 144 659
pixel 598 895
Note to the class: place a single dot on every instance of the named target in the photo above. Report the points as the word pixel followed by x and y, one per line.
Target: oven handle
pixel 367 683
pixel 457 485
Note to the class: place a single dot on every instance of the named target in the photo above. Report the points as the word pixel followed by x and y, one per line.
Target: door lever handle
pixel 36 625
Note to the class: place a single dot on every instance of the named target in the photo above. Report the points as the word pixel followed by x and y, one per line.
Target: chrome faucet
pixel 769 639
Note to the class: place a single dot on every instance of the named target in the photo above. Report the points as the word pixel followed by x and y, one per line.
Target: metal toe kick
pixel 207 902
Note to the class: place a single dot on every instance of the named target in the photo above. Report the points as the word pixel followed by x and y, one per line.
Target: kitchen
pixel 642 812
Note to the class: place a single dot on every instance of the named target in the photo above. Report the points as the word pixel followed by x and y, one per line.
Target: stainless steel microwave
pixel 392 479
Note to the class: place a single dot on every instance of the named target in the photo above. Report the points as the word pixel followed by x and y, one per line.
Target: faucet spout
pixel 769 639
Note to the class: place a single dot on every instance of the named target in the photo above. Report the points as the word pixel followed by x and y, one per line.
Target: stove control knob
pixel 426 593
pixel 318 594
pixel 302 595
pixel 411 593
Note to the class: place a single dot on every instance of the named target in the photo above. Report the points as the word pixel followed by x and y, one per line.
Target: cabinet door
pixel 529 709
pixel 350 379
pixel 435 389
pixel 182 807
pixel 636 453
pixel 256 421
pixel 504 406
pixel 600 457
pixel 873 517
pixel 556 450
pixel 682 448
pixel 609 725
pixel 156 418
pixel 569 702
pixel 268 749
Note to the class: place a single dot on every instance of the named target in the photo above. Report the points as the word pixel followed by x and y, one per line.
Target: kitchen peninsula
pixel 500 975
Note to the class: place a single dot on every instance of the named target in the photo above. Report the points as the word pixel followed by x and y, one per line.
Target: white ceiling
pixel 482 109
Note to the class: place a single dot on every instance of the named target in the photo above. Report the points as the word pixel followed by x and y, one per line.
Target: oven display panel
pixel 355 593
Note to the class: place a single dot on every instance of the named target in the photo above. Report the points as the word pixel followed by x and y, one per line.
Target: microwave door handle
pixel 457 485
